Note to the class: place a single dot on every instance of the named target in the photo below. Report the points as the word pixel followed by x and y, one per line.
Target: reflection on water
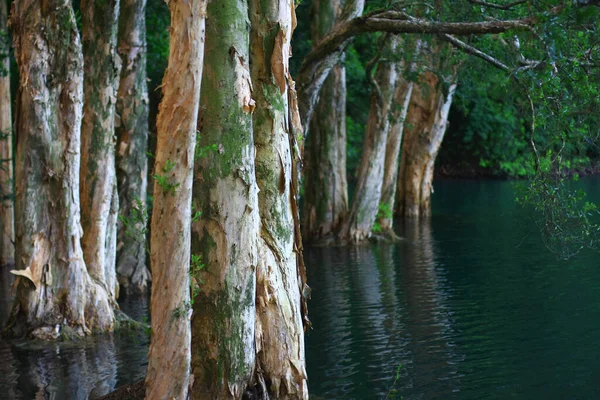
pixel 85 369
pixel 470 303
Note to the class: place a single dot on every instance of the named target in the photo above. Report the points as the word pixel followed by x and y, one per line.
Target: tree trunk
pixel 225 191
pixel 54 289
pixel 280 371
pixel 132 146
pixel 399 110
pixel 312 75
pixel 99 200
pixel 358 223
pixel 426 123
pixel 7 227
pixel 170 348
pixel 325 184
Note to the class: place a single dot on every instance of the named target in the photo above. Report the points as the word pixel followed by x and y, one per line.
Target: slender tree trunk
pixel 424 130
pixel 132 146
pixel 225 191
pixel 325 184
pixel 54 289
pixel 280 370
pixel 99 200
pixel 399 111
pixel 312 75
pixel 170 348
pixel 358 223
pixel 7 227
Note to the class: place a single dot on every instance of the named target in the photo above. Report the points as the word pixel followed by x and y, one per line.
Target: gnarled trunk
pixel 358 223
pixel 170 348
pixel 132 146
pixel 280 370
pixel 7 227
pixel 99 200
pixel 54 290
pixel 225 191
pixel 325 185
pixel 426 124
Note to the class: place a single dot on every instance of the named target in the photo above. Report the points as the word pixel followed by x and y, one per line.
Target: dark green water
pixel 471 304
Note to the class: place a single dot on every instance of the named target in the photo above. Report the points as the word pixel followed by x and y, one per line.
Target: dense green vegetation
pixel 490 119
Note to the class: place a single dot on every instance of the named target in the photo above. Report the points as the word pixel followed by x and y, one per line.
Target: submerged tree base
pixel 133 391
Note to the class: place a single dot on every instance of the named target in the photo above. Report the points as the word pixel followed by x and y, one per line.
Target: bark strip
pixel 280 371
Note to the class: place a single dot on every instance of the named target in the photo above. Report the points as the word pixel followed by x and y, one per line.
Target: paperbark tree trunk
pixel 54 289
pixel 312 75
pixel 358 223
pixel 280 371
pixel 399 111
pixel 169 357
pixel 7 227
pixel 325 184
pixel 225 191
pixel 425 126
pixel 132 146
pixel 99 200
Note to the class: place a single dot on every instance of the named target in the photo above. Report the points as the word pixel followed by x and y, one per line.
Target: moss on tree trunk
pixel 55 293
pixel 226 193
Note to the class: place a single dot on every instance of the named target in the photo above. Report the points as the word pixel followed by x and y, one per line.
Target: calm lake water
pixel 471 305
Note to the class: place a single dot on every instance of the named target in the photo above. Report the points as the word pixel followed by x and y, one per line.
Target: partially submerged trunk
pixel 358 223
pixel 99 200
pixel 280 371
pixel 424 130
pixel 225 192
pixel 54 289
pixel 325 199
pixel 399 110
pixel 132 146
pixel 170 348
pixel 7 227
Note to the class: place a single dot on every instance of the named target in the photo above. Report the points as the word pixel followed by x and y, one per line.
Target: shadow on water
pixel 84 369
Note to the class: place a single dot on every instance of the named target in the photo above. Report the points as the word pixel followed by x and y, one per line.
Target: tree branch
pixel 498 6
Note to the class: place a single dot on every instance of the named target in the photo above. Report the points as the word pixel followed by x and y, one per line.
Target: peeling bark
pixel 280 371
pixel 169 356
pixel 99 200
pixel 402 98
pixel 225 191
pixel 132 146
pixel 313 73
pixel 325 184
pixel 7 227
pixel 54 289
pixel 358 223
pixel 426 124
